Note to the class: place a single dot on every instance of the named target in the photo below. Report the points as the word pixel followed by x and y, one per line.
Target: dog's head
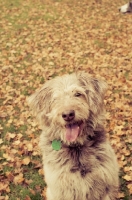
pixel 127 8
pixel 69 103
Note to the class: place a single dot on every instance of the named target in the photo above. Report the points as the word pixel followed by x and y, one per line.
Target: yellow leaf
pixel 18 179
pixel 129 186
pixel 26 161
pixel 121 195
pixel 27 198
pixel 1 141
pixel 127 177
pixel 127 169
pixel 29 147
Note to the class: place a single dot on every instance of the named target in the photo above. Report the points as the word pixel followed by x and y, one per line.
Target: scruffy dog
pixel 79 163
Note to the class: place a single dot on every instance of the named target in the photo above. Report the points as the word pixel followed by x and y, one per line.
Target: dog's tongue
pixel 72 132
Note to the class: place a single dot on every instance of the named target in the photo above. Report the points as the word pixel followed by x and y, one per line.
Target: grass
pixel 123 187
pixel 33 190
pixel 22 192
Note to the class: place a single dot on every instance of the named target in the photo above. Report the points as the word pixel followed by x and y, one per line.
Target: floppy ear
pixel 40 102
pixel 95 89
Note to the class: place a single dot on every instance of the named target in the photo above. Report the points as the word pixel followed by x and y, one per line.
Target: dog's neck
pixel 77 150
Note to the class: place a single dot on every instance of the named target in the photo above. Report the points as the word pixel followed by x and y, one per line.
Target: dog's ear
pixel 95 89
pixel 40 102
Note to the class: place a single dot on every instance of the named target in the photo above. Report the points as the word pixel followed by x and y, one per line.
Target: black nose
pixel 68 115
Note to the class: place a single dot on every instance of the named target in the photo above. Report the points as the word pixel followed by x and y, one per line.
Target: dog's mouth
pixel 73 130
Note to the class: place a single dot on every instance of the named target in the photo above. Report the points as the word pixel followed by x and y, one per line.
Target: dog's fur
pixel 127 8
pixel 85 168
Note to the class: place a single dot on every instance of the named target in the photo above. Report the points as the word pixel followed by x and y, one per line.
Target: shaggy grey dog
pixel 79 163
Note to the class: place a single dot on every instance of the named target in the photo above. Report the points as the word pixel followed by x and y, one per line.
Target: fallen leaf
pixel 26 161
pixel 18 179
pixel 1 141
pixel 27 198
pixel 127 177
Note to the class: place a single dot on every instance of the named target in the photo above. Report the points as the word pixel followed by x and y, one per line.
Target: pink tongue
pixel 72 132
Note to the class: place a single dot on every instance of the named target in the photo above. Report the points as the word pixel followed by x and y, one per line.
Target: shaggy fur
pixel 70 110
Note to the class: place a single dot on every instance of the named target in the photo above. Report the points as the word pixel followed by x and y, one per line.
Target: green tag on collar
pixel 56 145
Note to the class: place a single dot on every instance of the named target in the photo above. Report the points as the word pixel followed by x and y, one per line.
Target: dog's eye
pixel 78 94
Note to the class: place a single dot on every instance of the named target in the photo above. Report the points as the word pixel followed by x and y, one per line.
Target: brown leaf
pixel 26 161
pixel 27 198
pixel 3 114
pixel 127 178
pixel 129 186
pixel 128 169
pixel 121 195
pixel 10 176
pixel 18 179
pixel 4 186
pixel 10 136
pixel 1 141
pixel 41 172
pixel 4 197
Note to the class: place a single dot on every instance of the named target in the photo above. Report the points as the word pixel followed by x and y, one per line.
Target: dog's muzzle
pixel 72 127
pixel 68 115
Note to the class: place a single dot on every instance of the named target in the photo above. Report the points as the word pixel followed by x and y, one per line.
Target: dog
pixel 78 160
pixel 127 8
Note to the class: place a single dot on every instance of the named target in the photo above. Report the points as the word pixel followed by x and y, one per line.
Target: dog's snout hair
pixel 68 115
pixel 83 166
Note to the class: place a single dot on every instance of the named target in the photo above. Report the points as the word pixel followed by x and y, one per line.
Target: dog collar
pixel 56 145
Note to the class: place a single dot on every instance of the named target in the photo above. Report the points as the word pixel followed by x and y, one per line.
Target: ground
pixel 39 40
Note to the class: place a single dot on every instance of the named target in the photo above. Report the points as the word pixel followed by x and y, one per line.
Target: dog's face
pixel 69 102
pixel 127 8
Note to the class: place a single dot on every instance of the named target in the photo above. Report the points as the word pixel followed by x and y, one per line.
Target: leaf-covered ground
pixel 40 39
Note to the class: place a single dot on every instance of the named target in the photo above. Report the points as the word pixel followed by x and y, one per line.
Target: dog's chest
pixel 77 160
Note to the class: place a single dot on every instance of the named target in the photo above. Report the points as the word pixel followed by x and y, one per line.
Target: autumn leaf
pixel 4 197
pixel 27 198
pixel 4 186
pixel 127 178
pixel 10 176
pixel 121 195
pixel 26 161
pixel 18 179
pixel 1 141
pixel 130 187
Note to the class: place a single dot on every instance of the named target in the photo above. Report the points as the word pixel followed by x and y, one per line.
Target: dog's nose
pixel 68 115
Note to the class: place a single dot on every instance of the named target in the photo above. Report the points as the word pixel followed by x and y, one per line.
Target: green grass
pixel 100 44
pixel 33 190
pixel 123 186
pixel 21 192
